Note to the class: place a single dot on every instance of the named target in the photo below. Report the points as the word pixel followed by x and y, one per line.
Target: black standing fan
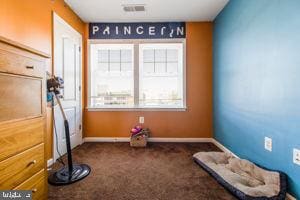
pixel 72 172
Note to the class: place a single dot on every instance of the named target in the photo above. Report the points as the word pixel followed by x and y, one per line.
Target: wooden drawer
pixel 20 97
pixel 36 184
pixel 17 169
pixel 18 136
pixel 19 62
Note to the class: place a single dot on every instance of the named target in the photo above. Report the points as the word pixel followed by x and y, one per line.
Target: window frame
pixel 136 68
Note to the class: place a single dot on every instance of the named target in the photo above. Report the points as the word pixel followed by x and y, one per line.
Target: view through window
pixel 136 75
pixel 161 75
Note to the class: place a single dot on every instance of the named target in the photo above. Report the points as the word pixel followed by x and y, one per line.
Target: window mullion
pixel 136 74
pixel 120 61
pixel 166 63
pixel 108 60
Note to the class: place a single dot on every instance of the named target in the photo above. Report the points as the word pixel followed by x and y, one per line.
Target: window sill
pixel 181 109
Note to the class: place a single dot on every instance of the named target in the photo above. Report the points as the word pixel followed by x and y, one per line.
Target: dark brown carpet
pixel 162 171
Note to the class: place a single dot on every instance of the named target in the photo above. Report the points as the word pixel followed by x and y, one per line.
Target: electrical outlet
pixel 268 143
pixel 296 156
pixel 141 120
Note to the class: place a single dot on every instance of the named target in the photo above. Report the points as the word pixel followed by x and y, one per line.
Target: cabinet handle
pixel 34 190
pixel 30 67
pixel 32 162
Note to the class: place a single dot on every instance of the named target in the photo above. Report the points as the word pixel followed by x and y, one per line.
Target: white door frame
pixel 57 18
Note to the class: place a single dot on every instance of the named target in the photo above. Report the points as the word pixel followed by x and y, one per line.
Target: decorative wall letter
pixel 159 30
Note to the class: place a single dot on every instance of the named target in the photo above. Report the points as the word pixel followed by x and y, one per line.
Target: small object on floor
pixel 139 136
pixel 136 130
pixel 242 178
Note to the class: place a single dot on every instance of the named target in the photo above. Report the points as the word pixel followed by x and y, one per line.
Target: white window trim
pixel 136 42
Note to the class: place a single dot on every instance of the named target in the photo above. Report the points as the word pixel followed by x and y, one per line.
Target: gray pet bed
pixel 242 178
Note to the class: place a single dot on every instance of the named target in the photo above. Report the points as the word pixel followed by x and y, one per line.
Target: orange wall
pixel 195 122
pixel 30 22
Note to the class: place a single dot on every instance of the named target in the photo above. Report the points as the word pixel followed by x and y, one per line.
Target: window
pixel 111 75
pixel 161 75
pixel 137 75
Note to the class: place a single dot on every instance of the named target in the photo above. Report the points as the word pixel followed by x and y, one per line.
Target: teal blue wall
pixel 257 82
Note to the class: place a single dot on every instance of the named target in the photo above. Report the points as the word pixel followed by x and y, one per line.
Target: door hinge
pixel 79 88
pixel 80 127
pixel 79 48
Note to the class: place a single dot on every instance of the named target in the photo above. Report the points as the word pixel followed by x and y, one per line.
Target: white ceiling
pixel 156 10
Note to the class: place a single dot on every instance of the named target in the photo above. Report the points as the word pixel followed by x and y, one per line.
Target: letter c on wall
pixel 139 30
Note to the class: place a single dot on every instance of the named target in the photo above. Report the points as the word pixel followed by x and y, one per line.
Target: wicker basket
pixel 138 141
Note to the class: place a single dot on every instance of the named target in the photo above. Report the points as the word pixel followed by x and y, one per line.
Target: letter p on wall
pixel 95 29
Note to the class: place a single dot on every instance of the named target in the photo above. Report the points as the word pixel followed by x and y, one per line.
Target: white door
pixel 67 65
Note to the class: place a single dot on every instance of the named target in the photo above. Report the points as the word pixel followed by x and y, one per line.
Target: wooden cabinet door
pixel 20 97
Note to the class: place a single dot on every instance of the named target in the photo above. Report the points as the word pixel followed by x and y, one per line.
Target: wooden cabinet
pixel 36 184
pixel 22 119
pixel 20 97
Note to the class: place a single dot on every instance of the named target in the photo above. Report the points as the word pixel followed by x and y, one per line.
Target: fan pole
pixel 73 172
pixel 67 132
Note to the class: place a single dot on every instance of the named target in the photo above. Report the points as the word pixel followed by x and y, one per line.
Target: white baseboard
pixel 189 140
pixel 151 139
pixel 50 162
pixel 290 197
pixel 106 139
pixel 223 148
